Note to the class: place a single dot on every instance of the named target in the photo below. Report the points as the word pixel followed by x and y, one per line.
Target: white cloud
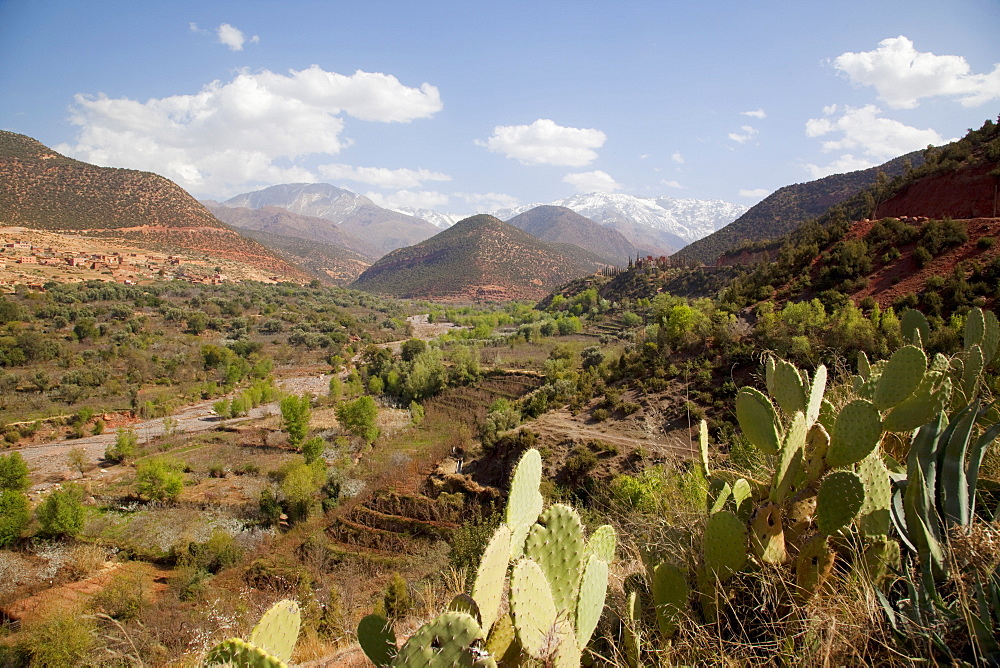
pixel 677 157
pixel 381 176
pixel 545 143
pixel 748 134
pixel 422 199
pixel 489 201
pixel 756 113
pixel 228 135
pixel 672 184
pixel 233 37
pixel 592 181
pixel 870 138
pixel 756 192
pixel 902 75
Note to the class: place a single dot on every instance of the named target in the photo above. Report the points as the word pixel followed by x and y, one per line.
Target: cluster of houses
pixel 126 268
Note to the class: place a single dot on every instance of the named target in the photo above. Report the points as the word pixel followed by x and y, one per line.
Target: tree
pixel 14 515
pixel 313 449
pixel 78 459
pixel 62 512
pixel 14 472
pixel 159 480
pixel 410 349
pixel 126 442
pixel 358 417
pixel 299 487
pixel 295 415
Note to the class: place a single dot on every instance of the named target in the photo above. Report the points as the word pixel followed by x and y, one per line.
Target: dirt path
pixel 49 463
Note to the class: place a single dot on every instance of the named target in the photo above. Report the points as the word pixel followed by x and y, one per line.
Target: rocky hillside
pixel 558 224
pixel 328 262
pixel 354 214
pixel 479 258
pixel 785 209
pixel 44 190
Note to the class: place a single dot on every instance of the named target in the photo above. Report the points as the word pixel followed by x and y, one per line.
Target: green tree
pixel 123 449
pixel 410 349
pixel 14 515
pixel 299 486
pixel 358 417
pixel 295 415
pixel 62 512
pixel 14 472
pixel 313 448
pixel 159 480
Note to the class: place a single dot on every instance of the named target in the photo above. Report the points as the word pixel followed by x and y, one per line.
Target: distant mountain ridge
pixel 558 224
pixel 355 214
pixel 786 208
pixel 282 222
pixel 479 258
pixel 656 226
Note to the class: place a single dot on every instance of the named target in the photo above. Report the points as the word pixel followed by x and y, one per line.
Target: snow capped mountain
pixel 439 220
pixel 648 222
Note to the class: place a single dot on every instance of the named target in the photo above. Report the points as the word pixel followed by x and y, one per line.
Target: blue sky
pixel 466 106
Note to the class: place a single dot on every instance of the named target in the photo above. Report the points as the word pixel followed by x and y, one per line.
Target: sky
pixel 461 106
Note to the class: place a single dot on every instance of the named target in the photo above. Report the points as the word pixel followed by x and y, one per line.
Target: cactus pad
pixel 278 629
pixel 444 641
pixel 920 407
pixel 975 328
pixel 602 543
pixel 567 652
pixel 864 367
pixel 879 557
pixel 742 497
pixel 875 518
pixel 502 641
pixel 532 608
pixel 631 631
pixel 758 420
pixel 525 502
pixel 902 375
pixel 813 566
pixel 377 639
pixel 703 446
pixel 814 458
pixel 789 391
pixel 467 604
pixel 556 544
pixel 593 590
pixel 856 432
pixel 725 545
pixel 670 591
pixel 816 391
pixel 914 327
pixel 974 364
pixel 840 497
pixel 789 459
pixel 235 652
pixel 491 576
pixel 767 536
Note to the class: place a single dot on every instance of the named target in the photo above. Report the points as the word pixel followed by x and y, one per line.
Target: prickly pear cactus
pixel 278 629
pixel 502 641
pixel 788 389
pixel 790 464
pixel 901 377
pixel 875 517
pixel 235 652
pixel 929 399
pixel 725 545
pixel 532 607
pixel 839 500
pixel 525 502
pixel 602 543
pixel 813 566
pixel 670 591
pixel 590 603
pixel 856 432
pixel 556 544
pixel 758 420
pixel 767 536
pixel 914 327
pixel 442 642
pixel 490 577
pixel 631 630
pixel 377 639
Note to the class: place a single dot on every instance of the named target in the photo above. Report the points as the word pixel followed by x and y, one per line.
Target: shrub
pixel 580 462
pixel 13 472
pixel 159 480
pixel 295 415
pixel 62 512
pixel 63 639
pixel 123 449
pixel 358 417
pixel 124 597
pixel 313 448
pixel 397 600
pixel 601 414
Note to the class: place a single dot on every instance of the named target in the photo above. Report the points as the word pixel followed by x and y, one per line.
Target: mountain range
pixel 559 225
pixel 352 213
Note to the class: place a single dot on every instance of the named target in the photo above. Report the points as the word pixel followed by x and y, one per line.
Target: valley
pixel 733 452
